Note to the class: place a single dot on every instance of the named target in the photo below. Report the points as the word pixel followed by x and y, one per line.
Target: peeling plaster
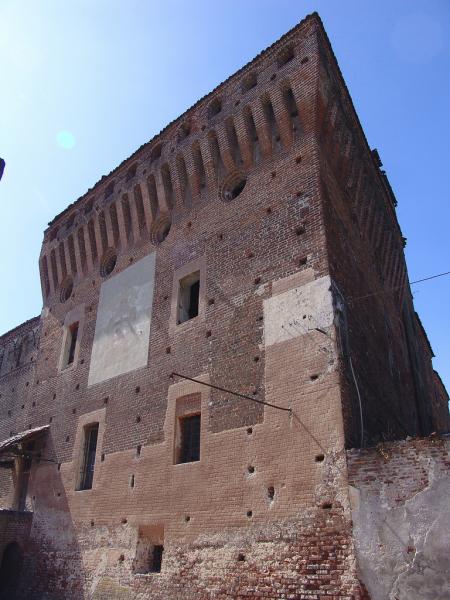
pixel 403 552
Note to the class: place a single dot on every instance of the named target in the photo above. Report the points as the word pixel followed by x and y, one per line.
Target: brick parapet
pixel 199 125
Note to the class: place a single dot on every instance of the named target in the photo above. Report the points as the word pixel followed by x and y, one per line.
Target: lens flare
pixel 65 140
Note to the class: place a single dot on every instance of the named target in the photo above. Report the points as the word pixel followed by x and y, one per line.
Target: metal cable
pixel 221 389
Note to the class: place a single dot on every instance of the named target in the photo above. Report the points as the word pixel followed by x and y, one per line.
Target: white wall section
pixel 122 329
pixel 298 311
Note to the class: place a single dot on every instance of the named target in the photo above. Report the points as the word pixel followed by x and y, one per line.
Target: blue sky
pixel 84 83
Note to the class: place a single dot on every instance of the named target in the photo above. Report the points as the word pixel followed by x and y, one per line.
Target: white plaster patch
pixel 122 330
pixel 298 311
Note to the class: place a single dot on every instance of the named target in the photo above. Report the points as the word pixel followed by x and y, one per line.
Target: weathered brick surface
pixel 264 257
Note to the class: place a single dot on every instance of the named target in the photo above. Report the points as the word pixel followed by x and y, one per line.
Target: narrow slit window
pixel 70 346
pixel 190 439
pixel 73 337
pixel 24 477
pixel 90 448
pixel 188 297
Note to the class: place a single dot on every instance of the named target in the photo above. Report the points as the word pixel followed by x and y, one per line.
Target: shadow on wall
pixel 52 561
pixel 10 570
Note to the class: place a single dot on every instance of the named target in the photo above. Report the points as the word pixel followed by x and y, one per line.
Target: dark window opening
pixel 72 342
pixel 156 559
pixel 190 439
pixel 149 551
pixel 108 263
pixel 10 569
pixel 232 187
pixel 90 448
pixel 159 231
pixel 238 189
pixel 188 297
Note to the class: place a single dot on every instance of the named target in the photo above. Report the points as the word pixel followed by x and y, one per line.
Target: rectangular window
pixel 189 439
pixel 156 559
pixel 188 297
pixel 90 448
pixel 149 550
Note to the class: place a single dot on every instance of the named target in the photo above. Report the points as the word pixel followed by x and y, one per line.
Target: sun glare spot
pixel 65 140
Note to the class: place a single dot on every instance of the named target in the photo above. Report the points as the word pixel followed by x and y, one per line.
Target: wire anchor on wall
pixel 221 389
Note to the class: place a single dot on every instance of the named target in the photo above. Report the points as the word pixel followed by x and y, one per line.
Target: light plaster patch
pixel 122 330
pixel 298 311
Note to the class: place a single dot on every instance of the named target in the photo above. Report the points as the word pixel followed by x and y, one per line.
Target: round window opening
pixel 66 289
pixel 108 263
pixel 232 186
pixel 160 230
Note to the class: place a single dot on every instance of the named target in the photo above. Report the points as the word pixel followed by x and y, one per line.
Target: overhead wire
pixel 399 287
pixel 430 277
pixel 222 389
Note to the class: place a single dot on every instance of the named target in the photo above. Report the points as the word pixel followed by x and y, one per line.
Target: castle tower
pixel 224 315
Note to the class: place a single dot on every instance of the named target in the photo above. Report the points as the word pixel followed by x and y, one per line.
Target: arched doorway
pixel 10 569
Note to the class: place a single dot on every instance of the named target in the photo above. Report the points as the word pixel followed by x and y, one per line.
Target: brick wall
pixel 18 358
